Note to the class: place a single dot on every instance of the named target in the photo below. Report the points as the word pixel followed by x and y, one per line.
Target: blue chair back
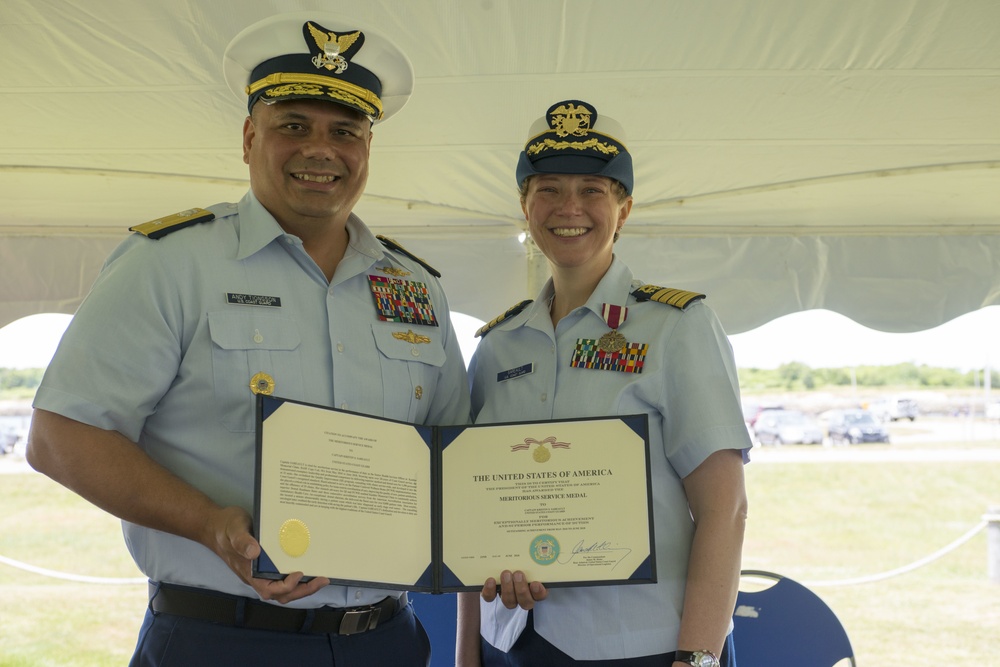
pixel 787 625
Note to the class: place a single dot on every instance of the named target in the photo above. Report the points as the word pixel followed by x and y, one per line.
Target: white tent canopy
pixel 835 154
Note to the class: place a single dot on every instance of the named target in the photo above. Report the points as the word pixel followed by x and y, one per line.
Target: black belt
pixel 233 610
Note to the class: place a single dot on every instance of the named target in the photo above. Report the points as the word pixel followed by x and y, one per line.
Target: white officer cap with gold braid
pixel 571 138
pixel 322 56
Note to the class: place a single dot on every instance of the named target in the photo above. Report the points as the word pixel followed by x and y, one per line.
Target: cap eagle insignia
pixel 571 119
pixel 333 46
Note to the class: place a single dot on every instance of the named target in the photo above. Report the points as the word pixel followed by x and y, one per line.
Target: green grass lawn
pixel 52 622
pixel 810 521
pixel 821 522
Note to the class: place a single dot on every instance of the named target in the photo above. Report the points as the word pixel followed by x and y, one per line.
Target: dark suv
pixel 854 426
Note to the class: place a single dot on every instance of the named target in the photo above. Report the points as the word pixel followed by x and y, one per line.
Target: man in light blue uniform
pixel 597 341
pixel 147 409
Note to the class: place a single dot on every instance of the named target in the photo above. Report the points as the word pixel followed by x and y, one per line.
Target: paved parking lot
pixel 926 439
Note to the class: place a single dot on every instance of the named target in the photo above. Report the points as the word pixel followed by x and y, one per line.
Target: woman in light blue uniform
pixel 598 341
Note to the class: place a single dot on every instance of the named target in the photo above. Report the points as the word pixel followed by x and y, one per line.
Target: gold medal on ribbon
pixel 611 342
pixel 262 383
pixel 614 316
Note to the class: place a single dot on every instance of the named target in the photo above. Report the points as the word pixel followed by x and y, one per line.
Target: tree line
pixel 18 383
pixel 796 376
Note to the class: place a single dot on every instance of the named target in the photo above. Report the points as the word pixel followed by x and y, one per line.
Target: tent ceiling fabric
pixel 839 154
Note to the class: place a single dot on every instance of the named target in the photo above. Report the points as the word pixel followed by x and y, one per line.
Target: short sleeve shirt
pixel 167 343
pixel 688 388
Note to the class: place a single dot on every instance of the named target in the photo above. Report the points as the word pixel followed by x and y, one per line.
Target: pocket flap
pixel 242 331
pixel 404 343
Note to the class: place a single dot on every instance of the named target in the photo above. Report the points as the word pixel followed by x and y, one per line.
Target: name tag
pixel 516 372
pixel 253 300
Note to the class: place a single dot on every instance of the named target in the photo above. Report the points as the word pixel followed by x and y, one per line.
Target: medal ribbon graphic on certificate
pixel 611 352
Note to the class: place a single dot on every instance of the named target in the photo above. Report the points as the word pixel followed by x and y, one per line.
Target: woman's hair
pixel 616 187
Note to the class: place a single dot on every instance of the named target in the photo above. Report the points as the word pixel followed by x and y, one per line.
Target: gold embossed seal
pixel 293 536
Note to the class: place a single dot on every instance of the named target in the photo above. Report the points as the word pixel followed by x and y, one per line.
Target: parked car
pixel 780 427
pixel 854 426
pixel 894 409
pixel 752 413
pixel 8 439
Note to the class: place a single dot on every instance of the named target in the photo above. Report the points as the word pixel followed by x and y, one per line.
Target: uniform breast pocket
pixel 410 365
pixel 252 348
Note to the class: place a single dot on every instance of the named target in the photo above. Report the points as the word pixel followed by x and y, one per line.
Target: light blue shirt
pixel 164 347
pixel 688 387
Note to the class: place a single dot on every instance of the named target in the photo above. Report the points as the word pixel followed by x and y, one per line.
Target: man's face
pixel 308 161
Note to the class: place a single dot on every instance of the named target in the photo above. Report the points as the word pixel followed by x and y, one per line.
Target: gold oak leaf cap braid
pixel 572 138
pixel 322 56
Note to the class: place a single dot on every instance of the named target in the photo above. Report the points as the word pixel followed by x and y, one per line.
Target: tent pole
pixel 538 267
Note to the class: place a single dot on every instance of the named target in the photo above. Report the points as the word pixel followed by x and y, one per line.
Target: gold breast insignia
pixel 410 337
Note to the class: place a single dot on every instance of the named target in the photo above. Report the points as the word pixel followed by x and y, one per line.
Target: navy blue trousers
pixel 173 641
pixel 532 650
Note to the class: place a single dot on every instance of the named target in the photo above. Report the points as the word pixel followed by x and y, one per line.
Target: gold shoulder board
pixel 511 312
pixel 677 298
pixel 392 245
pixel 154 229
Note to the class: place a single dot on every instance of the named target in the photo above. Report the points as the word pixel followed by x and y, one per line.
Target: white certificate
pixel 370 501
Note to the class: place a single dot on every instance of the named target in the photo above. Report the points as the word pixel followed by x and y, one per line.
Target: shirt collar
pixel 258 228
pixel 614 288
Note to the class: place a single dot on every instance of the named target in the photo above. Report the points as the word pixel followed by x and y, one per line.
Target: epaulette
pixel 511 312
pixel 392 245
pixel 677 298
pixel 155 229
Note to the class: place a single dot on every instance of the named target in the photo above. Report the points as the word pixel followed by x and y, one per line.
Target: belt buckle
pixel 359 620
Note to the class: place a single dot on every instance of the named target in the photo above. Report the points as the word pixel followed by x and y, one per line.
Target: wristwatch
pixel 697 658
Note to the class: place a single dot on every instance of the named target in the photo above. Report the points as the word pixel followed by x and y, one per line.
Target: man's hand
pixel 515 591
pixel 229 537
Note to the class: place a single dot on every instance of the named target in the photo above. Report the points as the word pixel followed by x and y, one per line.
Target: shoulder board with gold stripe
pixel 511 312
pixel 155 229
pixel 677 298
pixel 392 245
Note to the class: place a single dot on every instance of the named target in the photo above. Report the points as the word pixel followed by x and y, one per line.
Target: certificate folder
pixel 374 502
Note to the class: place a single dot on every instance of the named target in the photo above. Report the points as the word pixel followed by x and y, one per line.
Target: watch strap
pixel 697 658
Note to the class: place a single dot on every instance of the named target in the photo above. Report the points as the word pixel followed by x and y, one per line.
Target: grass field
pixel 810 519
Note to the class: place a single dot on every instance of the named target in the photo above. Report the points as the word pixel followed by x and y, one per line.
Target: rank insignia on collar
pixel 403 301
pixel 589 354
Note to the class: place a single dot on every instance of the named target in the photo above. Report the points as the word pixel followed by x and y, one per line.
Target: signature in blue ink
pixel 614 554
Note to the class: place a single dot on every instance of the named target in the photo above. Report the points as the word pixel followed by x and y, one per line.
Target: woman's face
pixel 573 218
